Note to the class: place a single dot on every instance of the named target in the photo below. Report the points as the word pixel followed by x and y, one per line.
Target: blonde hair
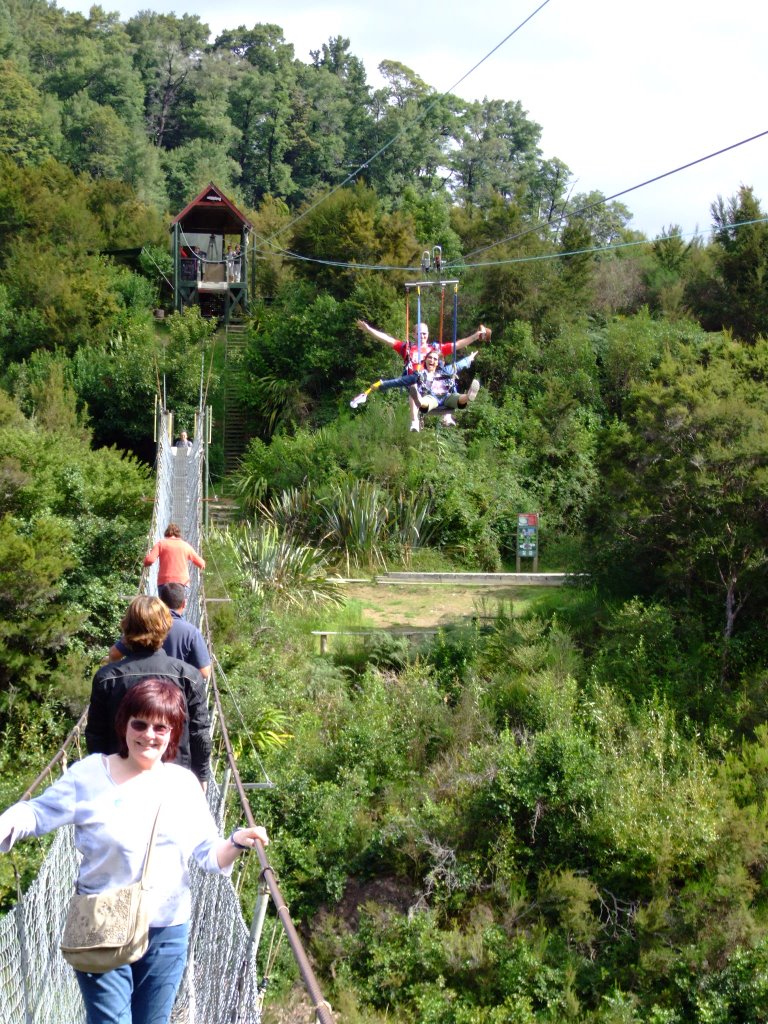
pixel 146 623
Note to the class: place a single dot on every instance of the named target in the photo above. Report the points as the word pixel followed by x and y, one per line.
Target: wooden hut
pixel 210 248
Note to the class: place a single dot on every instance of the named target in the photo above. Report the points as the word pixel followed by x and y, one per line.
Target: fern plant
pixel 356 520
pixel 275 566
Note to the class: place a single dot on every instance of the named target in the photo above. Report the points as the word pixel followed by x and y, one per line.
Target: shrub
pixel 278 568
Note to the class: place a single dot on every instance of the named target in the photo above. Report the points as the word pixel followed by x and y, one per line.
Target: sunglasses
pixel 139 725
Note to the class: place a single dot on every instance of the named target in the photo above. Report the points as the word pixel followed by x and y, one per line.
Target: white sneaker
pixel 415 426
pixel 472 390
pixel 358 400
pixel 471 357
pixel 448 421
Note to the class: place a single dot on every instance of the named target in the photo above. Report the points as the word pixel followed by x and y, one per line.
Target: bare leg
pixel 414 407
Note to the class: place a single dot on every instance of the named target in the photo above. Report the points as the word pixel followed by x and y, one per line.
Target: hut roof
pixel 211 212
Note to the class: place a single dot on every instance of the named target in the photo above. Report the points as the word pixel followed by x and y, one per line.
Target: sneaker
pixel 415 426
pixel 448 421
pixel 358 400
pixel 471 358
pixel 472 390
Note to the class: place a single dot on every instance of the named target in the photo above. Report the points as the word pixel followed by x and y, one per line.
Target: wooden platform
pixel 477 579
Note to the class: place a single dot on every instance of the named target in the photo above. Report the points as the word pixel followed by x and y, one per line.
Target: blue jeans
pixel 447 369
pixel 140 993
pixel 399 382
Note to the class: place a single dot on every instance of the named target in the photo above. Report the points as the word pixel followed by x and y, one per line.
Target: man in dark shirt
pixel 145 626
pixel 183 641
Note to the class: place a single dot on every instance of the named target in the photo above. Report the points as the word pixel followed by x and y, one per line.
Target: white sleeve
pixel 191 816
pixel 16 823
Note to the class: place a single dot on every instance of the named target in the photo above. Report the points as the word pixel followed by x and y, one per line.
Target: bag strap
pixel 150 848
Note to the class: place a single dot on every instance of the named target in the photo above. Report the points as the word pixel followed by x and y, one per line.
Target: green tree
pixel 741 261
pixel 351 226
pixel 497 152
pixel 166 52
pixel 189 168
pixel 607 222
pixel 262 108
pixel 668 271
pixel 22 134
pixel 95 137
pixel 412 127
pixel 683 501
pixel 335 57
pixel 36 623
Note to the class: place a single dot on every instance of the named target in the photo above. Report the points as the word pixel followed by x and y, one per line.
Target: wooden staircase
pixel 236 434
pixel 222 512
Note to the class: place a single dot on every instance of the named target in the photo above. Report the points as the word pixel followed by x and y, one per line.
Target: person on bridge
pixel 183 640
pixel 175 555
pixel 145 626
pixel 112 801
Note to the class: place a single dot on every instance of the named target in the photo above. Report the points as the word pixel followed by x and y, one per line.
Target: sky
pixel 623 92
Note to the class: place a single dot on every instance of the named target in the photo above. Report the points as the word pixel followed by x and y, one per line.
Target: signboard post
pixel 528 539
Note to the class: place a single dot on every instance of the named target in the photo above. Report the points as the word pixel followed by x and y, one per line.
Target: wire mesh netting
pixel 220 984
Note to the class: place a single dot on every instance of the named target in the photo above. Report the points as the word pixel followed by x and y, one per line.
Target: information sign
pixel 528 537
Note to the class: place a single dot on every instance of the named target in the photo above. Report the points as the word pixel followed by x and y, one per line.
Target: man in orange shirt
pixel 175 555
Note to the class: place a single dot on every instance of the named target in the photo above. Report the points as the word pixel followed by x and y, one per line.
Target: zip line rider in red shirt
pixel 413 352
pixel 413 355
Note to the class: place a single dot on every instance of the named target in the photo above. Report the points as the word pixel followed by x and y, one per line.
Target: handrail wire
pixel 319 1004
pixel 267 874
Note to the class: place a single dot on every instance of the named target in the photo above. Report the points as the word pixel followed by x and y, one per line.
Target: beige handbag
pixel 111 928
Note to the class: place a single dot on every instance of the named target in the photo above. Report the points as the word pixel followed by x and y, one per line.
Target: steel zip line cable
pixel 385 147
pixel 537 227
pixel 616 195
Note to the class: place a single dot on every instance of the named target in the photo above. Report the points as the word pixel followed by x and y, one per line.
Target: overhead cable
pixel 421 116
pixel 462 263
pixel 601 202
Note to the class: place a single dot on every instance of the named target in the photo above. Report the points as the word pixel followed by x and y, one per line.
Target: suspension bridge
pixel 225 978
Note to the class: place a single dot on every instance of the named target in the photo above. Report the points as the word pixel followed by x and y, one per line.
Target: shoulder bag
pixel 110 928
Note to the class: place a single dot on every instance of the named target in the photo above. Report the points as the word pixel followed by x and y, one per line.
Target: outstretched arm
pixel 379 335
pixel 481 334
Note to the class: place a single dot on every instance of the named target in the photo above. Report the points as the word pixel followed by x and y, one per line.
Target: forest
pixel 555 814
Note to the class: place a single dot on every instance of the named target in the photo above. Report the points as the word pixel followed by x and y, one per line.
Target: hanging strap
pixel 407 320
pixel 418 324
pixel 455 328
pixel 150 848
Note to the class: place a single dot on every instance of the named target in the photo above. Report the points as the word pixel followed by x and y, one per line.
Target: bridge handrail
pixel 218 722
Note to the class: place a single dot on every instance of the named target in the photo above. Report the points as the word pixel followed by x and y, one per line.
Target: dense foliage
pixel 552 816
pixel 73 525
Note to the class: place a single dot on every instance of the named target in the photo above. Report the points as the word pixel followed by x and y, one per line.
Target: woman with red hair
pixel 113 801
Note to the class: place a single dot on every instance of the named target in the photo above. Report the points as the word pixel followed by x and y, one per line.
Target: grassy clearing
pixel 424 606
